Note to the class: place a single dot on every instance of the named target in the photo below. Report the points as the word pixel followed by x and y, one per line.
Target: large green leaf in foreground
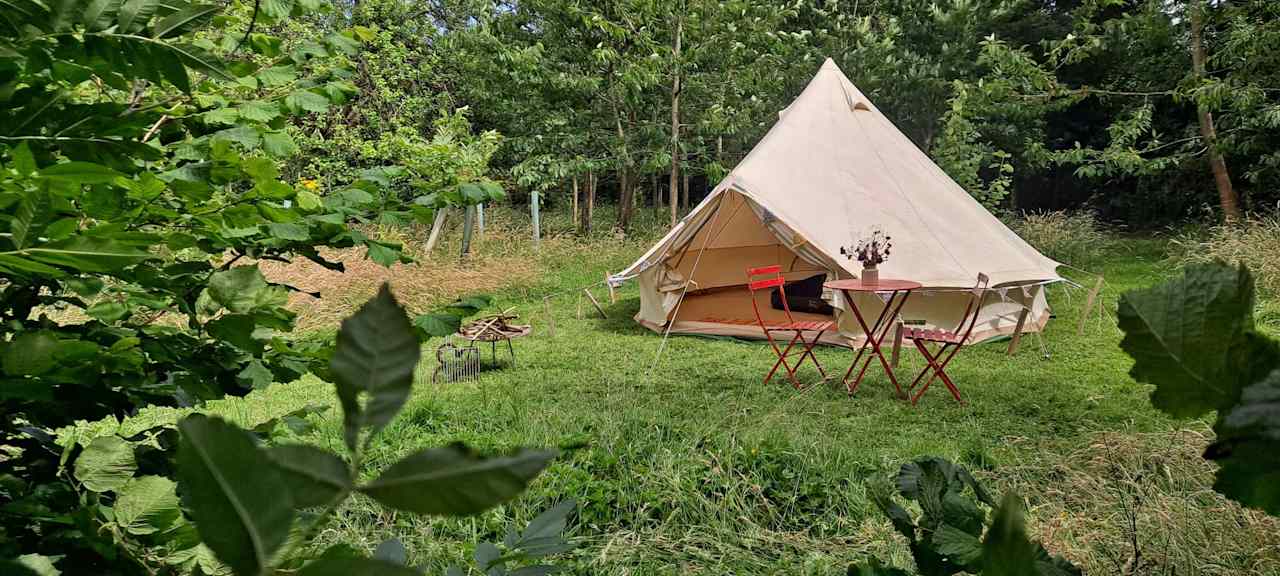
pixel 377 353
pixel 455 481
pixel 241 504
pixel 1193 339
pixel 1246 447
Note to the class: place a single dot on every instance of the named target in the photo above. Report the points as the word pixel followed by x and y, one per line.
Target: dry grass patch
pixel 1137 504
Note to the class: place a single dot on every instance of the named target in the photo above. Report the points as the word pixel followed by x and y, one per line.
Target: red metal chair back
pixel 764 278
pixel 974 309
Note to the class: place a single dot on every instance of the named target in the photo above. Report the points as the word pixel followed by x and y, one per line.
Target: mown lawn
pixel 691 465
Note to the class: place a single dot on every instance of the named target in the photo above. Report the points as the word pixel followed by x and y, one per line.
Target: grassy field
pixel 691 465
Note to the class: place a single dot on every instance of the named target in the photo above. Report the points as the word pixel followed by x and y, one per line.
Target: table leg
pixel 874 336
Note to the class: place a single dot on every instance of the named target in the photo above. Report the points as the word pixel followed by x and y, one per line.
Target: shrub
pixel 1069 237
pixel 1254 242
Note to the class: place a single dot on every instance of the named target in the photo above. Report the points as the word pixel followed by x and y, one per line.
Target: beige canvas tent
pixel 832 168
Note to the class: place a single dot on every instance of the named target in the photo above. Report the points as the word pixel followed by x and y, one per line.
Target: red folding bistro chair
pixel 767 277
pixel 951 342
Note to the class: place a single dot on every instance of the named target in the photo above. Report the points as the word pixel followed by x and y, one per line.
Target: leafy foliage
pixel 952 534
pixel 244 498
pixel 1194 338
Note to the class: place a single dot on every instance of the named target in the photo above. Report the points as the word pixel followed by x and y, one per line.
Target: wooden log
pixel 596 304
pixel 1088 305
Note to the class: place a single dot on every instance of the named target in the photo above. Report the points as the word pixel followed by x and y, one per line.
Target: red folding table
pixel 898 291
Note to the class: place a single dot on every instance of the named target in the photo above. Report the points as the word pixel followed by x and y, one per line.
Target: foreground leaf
pixel 147 505
pixel 455 481
pixel 1008 551
pixel 315 476
pixel 106 464
pixel 1245 450
pixel 1187 336
pixel 377 353
pixel 392 551
pixel 241 504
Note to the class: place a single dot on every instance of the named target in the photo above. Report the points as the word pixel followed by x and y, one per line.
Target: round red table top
pixel 884 285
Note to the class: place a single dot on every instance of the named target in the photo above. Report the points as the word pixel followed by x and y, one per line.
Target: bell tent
pixel 831 169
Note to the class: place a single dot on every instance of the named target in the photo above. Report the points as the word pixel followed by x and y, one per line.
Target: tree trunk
pixel 468 224
pixel 684 192
pixel 577 228
pixel 626 203
pixel 1227 197
pixel 675 127
pixel 589 215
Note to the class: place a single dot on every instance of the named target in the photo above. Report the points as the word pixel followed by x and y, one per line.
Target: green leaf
pixel 108 311
pixel 277 75
pixel 455 481
pixel 98 14
pixel 237 330
pixel 277 10
pixel 898 516
pixel 352 566
pixel 306 100
pixel 957 545
pixel 134 14
pixel 1008 551
pixel 246 136
pixel 308 201
pixel 256 375
pixel 185 20
pixel 87 254
pixel 438 324
pixel 80 173
pixel 259 111
pixel 244 289
pixel 106 464
pixel 1249 465
pixel 875 568
pixel 342 43
pixel 29 353
pixel 37 564
pixel 392 551
pixel 376 353
pixel 172 68
pixel 316 477
pixel 147 505
pixel 279 144
pixel 240 501
pixel 34 211
pixel 23 160
pixel 382 254
pixel 225 115
pixel 265 44
pixel 289 231
pixel 1189 337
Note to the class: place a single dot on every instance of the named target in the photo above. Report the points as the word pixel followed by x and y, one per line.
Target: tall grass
pixel 1254 242
pixel 1074 238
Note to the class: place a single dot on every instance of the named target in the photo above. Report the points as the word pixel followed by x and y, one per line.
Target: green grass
pixel 691 465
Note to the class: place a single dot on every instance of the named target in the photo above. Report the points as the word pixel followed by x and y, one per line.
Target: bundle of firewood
pixel 494 327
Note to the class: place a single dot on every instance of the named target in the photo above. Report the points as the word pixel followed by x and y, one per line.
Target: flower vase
pixel 870 274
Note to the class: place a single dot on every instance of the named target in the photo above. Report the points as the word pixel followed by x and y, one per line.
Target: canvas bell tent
pixel 830 170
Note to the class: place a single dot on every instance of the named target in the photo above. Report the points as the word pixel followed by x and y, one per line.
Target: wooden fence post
pixel 436 227
pixel 537 220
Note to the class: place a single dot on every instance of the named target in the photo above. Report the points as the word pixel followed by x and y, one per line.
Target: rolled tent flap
pixel 832 168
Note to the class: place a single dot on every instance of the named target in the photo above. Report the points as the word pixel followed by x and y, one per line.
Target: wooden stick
pixel 551 320
pixel 596 304
pixel 613 296
pixel 1088 305
pixel 1017 332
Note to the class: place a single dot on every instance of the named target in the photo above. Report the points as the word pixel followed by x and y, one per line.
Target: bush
pixel 1255 243
pixel 1074 238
